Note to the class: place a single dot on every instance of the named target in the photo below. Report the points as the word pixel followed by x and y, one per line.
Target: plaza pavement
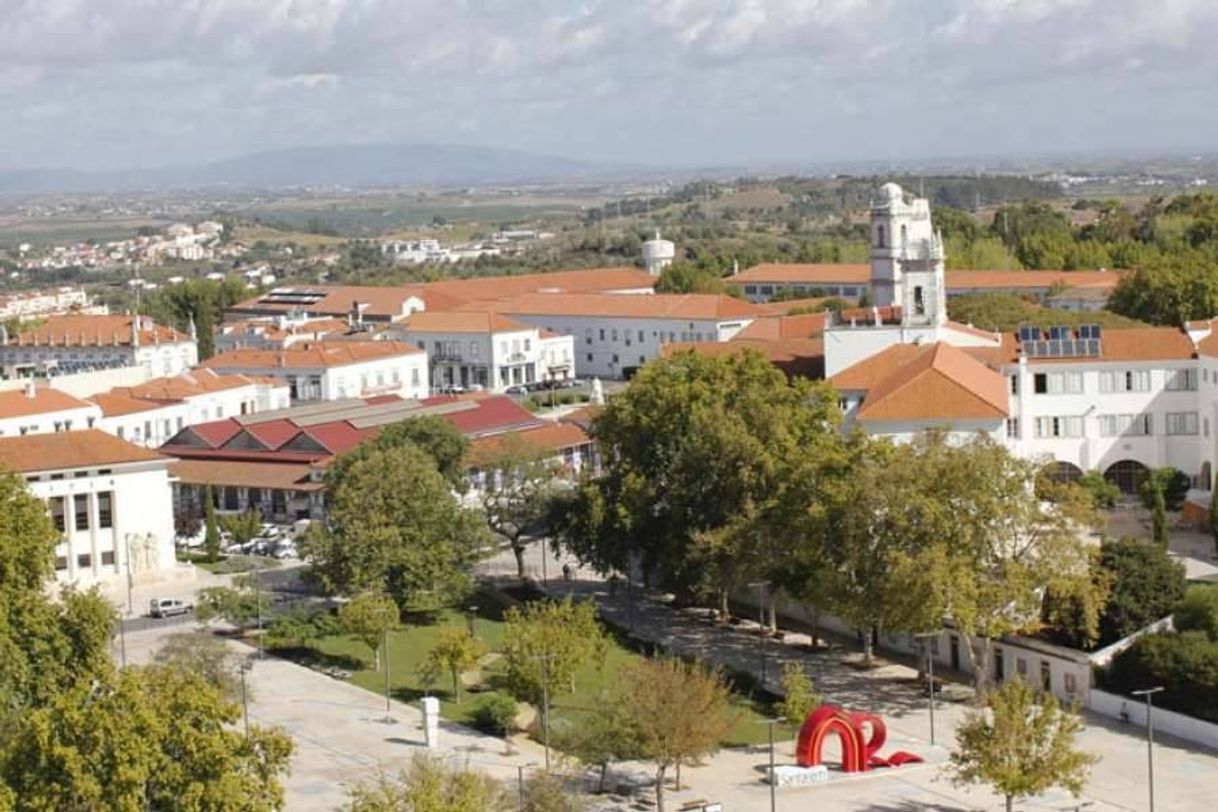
pixel 341 737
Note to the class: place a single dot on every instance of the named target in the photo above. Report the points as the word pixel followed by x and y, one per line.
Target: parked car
pixel 284 549
pixel 518 389
pixel 168 607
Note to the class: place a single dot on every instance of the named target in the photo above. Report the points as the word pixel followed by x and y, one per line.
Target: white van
pixel 168 607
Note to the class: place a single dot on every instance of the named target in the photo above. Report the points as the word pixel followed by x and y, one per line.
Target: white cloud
pixel 692 80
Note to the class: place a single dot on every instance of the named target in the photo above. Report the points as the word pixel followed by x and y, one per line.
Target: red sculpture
pixel 858 751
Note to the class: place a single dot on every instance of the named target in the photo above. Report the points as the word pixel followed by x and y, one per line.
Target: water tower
pixel 658 254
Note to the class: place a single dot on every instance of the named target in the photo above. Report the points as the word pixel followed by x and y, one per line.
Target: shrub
pixel 1199 611
pixel 1184 663
pixel 496 714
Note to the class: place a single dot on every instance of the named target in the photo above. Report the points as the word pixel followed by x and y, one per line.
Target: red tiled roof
pixel 460 322
pixel 701 306
pixel 244 474
pixel 495 413
pixel 549 437
pixel 16 403
pixel 310 355
pixel 86 330
pixel 69 449
pixel 805 273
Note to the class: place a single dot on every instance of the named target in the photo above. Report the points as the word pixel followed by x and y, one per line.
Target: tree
pixel 566 634
pixel 200 653
pixel 518 483
pixel 546 792
pixel 799 696
pixel 1169 289
pixel 685 277
pixel 991 549
pixel 427 785
pixel 1184 663
pixel 1104 494
pixel 604 737
pixel 456 651
pixel 681 712
pixel 243 527
pixel 173 734
pixel 433 435
pixel 395 527
pixel 186 522
pixel 299 625
pixel 1021 747
pixel 211 538
pixel 1198 611
pixel 692 445
pixel 1147 584
pixel 370 617
pixel 1171 484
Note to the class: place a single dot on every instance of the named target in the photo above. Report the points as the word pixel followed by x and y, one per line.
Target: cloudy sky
pixel 117 83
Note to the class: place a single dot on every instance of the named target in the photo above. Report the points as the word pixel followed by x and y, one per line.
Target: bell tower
pixel 901 241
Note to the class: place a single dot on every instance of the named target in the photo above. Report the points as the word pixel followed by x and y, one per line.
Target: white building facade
pixel 111 500
pixel 74 343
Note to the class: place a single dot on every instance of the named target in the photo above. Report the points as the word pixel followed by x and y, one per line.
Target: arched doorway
pixel 1127 475
pixel 1062 472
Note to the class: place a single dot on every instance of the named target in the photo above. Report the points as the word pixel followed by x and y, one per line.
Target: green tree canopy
pixel 432 434
pixel 550 640
pixel 1022 747
pixel 395 527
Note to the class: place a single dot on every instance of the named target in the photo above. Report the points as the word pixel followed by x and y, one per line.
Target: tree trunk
pixel 1010 803
pixel 979 662
pixel 725 606
pixel 600 787
pixel 518 551
pixel 677 778
pixel 457 686
pixel 660 787
pixel 868 658
pixel 376 657
pixel 772 612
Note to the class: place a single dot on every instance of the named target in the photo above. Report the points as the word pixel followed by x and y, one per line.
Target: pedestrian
pixel 566 572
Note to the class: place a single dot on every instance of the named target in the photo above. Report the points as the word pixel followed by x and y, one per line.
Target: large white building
pixel 614 335
pixel 74 343
pixel 110 499
pixel 334 370
pixel 1118 401
pixel 487 350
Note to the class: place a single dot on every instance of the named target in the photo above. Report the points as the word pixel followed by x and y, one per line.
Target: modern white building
pixel 75 343
pixel 614 335
pixel 1117 401
pixel 334 370
pixel 41 410
pixel 486 350
pixel 110 499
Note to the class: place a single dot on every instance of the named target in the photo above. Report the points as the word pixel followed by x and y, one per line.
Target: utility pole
pixel 761 628
pixel 1150 739
pixel 930 676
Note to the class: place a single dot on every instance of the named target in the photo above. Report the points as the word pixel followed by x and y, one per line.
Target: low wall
pixel 1169 722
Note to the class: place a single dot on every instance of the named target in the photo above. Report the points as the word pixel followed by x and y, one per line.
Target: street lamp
pixel 245 702
pixel 544 659
pixel 930 677
pixel 1150 739
pixel 769 723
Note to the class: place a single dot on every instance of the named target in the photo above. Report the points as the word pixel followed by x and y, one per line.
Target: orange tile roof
pixel 69 449
pixel 1116 344
pixel 552 437
pixel 310 355
pixel 806 273
pixel 795 356
pixel 16 403
pixel 384 303
pixel 87 331
pixel 591 280
pixel 189 384
pixel 998 280
pixel 782 308
pixel 776 327
pixel 873 369
pixel 272 331
pixel 937 382
pixel 460 322
pixel 117 403
pixel 701 306
pixel 245 474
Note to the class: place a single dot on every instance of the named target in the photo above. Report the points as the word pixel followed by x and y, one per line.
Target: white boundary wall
pixel 1169 722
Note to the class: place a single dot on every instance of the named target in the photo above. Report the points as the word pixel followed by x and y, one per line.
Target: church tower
pixel 907 258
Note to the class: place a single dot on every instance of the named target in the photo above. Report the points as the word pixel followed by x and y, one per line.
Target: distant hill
pixel 345 165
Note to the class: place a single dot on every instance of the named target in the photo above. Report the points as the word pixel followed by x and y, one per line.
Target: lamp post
pixel 769 723
pixel 930 677
pixel 245 702
pixel 1150 739
pixel 258 605
pixel 470 616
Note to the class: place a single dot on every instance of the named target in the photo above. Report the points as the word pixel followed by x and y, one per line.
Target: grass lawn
pixel 408 649
pixel 228 564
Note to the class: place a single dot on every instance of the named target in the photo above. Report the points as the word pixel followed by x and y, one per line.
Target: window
pixel 1132 380
pixel 105 510
pixel 1014 384
pixel 107 558
pixel 1046 675
pixel 528 344
pixel 147 429
pixel 1056 383
pixel 80 509
pixel 589 358
pixel 84 560
pixel 1040 383
pixel 640 336
pixel 1181 423
pixel 1021 666
pixel 602 334
pixel 121 432
pixel 749 290
pixel 1063 426
pixel 588 335
pixel 1181 379
pixel 880 239
pixel 414 377
pixel 57 513
pixel 1117 425
pixel 1013 428
pixel 61 563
